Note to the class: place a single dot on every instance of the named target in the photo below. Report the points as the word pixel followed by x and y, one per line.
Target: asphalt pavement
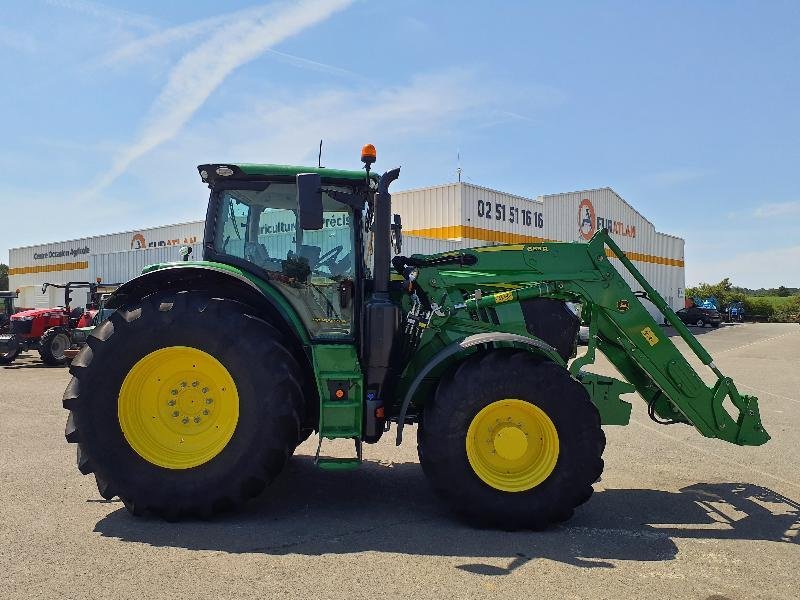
pixel 674 516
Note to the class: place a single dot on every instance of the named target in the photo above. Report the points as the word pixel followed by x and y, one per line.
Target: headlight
pixel 23 319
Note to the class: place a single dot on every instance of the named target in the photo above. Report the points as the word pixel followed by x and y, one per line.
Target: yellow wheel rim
pixel 178 407
pixel 512 445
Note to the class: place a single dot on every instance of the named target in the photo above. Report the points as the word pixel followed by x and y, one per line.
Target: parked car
pixel 700 317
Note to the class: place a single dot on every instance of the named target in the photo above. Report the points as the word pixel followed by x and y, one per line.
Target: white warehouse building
pixel 435 219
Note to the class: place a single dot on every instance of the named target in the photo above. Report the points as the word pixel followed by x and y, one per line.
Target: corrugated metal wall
pixel 462 210
pixel 660 257
pixel 69 260
pixel 493 216
pixel 119 267
pixel 413 244
pixel 433 212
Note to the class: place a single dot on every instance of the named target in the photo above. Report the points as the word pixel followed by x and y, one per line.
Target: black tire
pixel 271 405
pixel 700 323
pixel 482 380
pixel 715 325
pixel 52 346
pixel 12 353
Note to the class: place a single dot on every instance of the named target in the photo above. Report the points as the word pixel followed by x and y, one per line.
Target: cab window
pixel 314 270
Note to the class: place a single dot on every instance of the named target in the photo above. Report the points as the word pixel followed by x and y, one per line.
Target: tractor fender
pixel 223 282
pixel 455 348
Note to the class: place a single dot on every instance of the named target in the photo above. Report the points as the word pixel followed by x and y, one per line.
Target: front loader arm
pixel 620 327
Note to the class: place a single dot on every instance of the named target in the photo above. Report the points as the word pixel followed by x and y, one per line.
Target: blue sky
pixel 689 110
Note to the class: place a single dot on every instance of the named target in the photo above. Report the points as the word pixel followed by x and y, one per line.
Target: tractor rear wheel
pixel 511 441
pixel 52 346
pixel 184 405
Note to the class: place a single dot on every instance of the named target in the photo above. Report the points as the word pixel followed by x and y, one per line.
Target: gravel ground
pixel 675 515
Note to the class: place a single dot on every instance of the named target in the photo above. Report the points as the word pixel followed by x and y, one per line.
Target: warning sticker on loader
pixel 649 336
pixel 503 297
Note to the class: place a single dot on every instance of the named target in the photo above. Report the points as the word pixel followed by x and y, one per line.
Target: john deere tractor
pixel 192 396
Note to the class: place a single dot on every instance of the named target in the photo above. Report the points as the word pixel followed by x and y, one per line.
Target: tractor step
pixel 338 464
pixel 329 463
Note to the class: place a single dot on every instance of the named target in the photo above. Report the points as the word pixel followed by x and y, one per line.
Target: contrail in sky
pixel 205 68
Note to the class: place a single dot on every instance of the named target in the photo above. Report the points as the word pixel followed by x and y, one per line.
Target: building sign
pixel 586 219
pixel 138 242
pixel 508 213
pixel 589 222
pixel 73 252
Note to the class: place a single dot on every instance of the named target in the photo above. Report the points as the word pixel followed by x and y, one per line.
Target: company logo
pixel 138 242
pixel 589 222
pixel 586 219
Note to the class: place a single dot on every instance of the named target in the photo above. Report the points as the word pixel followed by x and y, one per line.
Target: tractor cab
pixel 6 308
pixel 256 223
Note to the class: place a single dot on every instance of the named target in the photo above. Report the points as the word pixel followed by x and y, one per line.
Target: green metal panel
pixel 339 363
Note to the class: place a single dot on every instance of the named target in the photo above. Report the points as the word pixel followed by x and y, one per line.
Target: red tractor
pixel 48 329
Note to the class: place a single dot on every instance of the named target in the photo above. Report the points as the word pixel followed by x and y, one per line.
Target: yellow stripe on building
pixel 505 237
pixel 70 266
pixel 659 260
pixel 475 233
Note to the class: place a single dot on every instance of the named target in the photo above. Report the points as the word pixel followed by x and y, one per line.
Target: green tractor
pixel 192 396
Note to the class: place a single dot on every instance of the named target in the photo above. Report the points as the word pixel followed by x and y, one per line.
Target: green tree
pixel 723 291
pixel 3 277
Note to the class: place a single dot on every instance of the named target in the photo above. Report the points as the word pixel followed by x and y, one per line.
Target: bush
pixel 758 307
pixel 788 312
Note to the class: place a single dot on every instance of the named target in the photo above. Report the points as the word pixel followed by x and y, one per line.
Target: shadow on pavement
pixel 29 365
pixel 390 508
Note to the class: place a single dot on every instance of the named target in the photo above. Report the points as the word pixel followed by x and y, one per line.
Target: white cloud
pixel 778 209
pixel 142 48
pixel 145 48
pixel 106 13
pixel 287 127
pixel 202 70
pixel 755 269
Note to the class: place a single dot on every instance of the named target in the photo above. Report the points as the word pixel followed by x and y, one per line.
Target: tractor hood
pixel 36 312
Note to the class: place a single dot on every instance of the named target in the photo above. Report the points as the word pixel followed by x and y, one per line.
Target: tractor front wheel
pixel 184 405
pixel 53 346
pixel 511 441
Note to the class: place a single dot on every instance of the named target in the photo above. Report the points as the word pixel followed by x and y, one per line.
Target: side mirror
pixel 309 200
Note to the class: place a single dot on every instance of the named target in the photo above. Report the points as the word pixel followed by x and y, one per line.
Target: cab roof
pixel 256 172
